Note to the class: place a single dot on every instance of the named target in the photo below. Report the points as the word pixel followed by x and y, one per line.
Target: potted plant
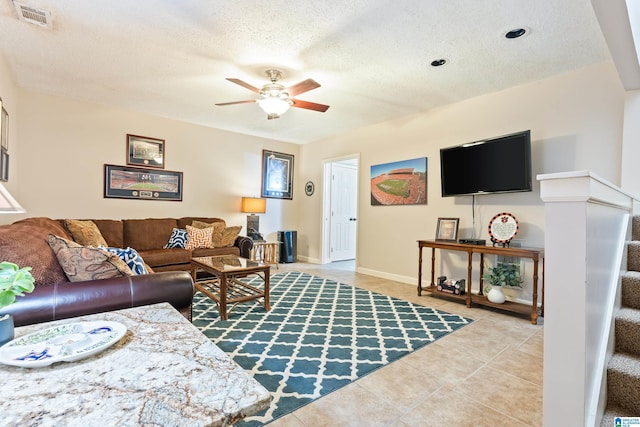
pixel 14 282
pixel 503 274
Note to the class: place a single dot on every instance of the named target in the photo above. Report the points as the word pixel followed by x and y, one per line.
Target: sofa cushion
pixel 81 263
pixel 112 231
pixel 198 237
pixel 25 243
pixel 178 239
pixel 129 255
pixel 228 250
pixel 150 233
pixel 163 257
pixel 86 233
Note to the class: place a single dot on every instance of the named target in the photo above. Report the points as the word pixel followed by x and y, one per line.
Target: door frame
pixel 326 204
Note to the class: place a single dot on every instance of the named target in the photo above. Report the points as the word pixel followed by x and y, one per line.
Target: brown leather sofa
pixel 25 243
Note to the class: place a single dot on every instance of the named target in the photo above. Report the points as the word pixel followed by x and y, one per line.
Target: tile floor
pixel 489 373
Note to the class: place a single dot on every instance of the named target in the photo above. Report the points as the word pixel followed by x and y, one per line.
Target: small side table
pixel 266 252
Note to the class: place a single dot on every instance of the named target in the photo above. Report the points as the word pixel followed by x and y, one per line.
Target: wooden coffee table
pixel 225 288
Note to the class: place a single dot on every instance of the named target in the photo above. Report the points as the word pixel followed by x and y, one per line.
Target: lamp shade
pixel 253 205
pixel 7 203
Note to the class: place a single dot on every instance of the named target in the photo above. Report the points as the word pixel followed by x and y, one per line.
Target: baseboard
pixel 388 276
pixel 309 259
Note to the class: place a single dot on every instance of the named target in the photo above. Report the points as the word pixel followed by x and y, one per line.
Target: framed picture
pixel 125 182
pixel 447 229
pixel 4 132
pixel 277 175
pixel 399 183
pixel 144 151
pixel 4 165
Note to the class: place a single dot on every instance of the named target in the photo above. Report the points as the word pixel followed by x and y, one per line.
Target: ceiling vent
pixel 32 15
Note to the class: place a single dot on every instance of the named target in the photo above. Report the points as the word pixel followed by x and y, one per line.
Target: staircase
pixel 623 371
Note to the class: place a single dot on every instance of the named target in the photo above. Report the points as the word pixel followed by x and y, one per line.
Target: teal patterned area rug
pixel 319 335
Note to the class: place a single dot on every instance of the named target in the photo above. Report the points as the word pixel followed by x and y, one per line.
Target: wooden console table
pixel 535 254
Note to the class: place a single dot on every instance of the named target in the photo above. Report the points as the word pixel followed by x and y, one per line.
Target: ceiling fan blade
pixel 304 86
pixel 237 102
pixel 244 84
pixel 309 105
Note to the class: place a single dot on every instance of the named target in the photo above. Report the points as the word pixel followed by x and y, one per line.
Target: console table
pixel 164 371
pixel 535 254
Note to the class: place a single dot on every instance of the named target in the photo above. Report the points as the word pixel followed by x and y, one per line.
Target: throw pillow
pixel 85 232
pixel 198 237
pixel 216 231
pixel 229 235
pixel 131 257
pixel 82 263
pixel 178 239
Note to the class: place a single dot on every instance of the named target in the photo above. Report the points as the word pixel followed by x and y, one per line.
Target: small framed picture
pixel 277 175
pixel 447 229
pixel 144 151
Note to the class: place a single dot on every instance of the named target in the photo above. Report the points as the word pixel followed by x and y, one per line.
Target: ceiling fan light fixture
pixel 274 106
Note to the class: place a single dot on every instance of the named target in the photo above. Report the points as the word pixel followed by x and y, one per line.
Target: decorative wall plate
pixel 63 343
pixel 309 188
pixel 503 227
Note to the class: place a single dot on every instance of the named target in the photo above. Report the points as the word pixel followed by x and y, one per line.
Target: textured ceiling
pixel 170 58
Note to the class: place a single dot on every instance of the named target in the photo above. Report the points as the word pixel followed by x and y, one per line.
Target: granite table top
pixel 163 372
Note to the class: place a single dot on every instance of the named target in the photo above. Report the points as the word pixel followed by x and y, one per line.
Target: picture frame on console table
pixel 145 151
pixel 126 182
pixel 447 229
pixel 277 175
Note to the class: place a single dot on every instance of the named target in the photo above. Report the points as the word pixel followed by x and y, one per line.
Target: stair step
pixel 611 413
pixel 627 331
pixel 631 289
pixel 635 227
pixel 623 377
pixel 633 255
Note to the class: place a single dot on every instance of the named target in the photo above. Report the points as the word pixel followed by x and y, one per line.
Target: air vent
pixel 32 15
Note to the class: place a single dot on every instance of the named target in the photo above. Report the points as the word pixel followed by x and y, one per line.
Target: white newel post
pixel 586 227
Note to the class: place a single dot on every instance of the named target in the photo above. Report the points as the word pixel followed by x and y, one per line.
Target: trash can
pixel 288 245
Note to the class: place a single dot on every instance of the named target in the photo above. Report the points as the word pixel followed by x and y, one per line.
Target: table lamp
pixel 253 206
pixel 7 203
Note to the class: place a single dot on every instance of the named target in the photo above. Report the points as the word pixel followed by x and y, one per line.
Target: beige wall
pixel 65 143
pixel 575 121
pixel 631 144
pixel 8 93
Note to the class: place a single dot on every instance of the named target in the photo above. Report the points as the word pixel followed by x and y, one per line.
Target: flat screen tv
pixel 496 165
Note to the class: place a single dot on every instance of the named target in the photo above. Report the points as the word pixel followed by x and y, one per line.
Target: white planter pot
pixel 496 295
pixel 6 329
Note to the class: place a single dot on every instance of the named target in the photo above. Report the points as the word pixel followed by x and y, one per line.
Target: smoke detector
pixel 32 15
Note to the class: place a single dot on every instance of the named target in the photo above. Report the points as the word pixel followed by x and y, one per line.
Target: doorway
pixel 340 206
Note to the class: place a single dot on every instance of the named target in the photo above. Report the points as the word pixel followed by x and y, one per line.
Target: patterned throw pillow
pixel 131 257
pixel 216 231
pixel 178 239
pixel 82 263
pixel 198 237
pixel 229 235
pixel 85 232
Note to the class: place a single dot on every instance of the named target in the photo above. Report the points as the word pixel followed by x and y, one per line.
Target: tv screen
pixel 496 165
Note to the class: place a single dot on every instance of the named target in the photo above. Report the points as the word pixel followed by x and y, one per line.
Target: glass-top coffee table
pixel 225 287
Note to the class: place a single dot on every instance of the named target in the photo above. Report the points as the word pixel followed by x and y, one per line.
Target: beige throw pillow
pixel 81 263
pixel 85 233
pixel 229 235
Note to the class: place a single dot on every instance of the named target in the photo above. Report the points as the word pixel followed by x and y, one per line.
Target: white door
pixel 344 197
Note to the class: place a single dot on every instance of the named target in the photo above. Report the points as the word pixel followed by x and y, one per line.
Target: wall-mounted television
pixel 496 165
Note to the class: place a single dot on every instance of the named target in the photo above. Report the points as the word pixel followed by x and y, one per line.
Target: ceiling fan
pixel 276 99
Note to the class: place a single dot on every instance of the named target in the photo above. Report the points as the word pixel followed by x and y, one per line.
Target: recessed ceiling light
pixel 438 62
pixel 515 33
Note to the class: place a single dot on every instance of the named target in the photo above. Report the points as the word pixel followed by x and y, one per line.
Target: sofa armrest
pixel 245 245
pixel 72 299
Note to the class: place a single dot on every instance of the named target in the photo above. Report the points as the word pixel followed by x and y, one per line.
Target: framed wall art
pixel 399 183
pixel 277 175
pixel 4 165
pixel 144 151
pixel 125 182
pixel 447 229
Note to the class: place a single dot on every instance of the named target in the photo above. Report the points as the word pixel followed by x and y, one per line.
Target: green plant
pixel 504 274
pixel 14 281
